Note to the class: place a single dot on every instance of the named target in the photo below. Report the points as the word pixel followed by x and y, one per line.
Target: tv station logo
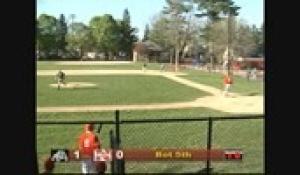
pixel 59 155
pixel 232 154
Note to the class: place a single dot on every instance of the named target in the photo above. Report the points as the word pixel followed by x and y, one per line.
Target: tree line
pixel 183 27
pixel 57 39
pixel 202 26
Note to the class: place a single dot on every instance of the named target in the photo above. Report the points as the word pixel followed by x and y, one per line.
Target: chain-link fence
pixel 163 135
pixel 239 132
pixel 245 134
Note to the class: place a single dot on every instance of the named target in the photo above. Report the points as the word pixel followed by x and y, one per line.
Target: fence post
pixel 209 137
pixel 119 163
pixel 112 146
pixel 118 128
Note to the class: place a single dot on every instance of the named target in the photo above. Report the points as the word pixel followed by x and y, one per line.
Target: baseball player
pixel 227 83
pixel 60 77
pixel 248 73
pixel 144 67
pixel 253 74
pixel 87 143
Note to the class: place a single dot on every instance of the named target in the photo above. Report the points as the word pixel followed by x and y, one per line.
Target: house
pixel 243 63
pixel 146 51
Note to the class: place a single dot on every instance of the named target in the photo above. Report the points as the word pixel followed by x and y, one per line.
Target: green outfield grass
pixel 241 85
pixel 115 89
pixel 244 134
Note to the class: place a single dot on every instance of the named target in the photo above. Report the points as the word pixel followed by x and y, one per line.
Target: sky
pixel 141 11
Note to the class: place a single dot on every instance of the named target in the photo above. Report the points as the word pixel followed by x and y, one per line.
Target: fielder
pixel 254 74
pixel 87 143
pixel 227 83
pixel 144 67
pixel 60 77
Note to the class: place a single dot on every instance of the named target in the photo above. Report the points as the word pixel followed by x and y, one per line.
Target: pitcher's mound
pixel 72 85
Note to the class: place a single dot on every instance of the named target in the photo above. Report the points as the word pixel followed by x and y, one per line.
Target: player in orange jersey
pixel 227 83
pixel 87 143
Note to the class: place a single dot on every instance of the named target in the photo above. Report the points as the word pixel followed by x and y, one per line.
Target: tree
pixel 162 32
pixel 46 35
pixel 179 22
pixel 146 33
pixel 106 33
pixel 126 17
pixel 258 37
pixel 128 34
pixel 243 45
pixel 213 9
pixel 218 40
pixel 62 30
pixel 246 44
pixel 79 40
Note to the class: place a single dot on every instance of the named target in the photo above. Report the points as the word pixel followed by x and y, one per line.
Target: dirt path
pixel 238 104
pixel 209 89
pixel 250 105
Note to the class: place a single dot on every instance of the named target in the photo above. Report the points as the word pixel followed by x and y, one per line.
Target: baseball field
pixel 149 94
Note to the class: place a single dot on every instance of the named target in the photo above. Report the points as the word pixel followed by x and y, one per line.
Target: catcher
pixel 60 77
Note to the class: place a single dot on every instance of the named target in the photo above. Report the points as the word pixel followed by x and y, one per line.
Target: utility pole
pixel 210 45
pixel 230 19
pixel 72 16
pixel 212 55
